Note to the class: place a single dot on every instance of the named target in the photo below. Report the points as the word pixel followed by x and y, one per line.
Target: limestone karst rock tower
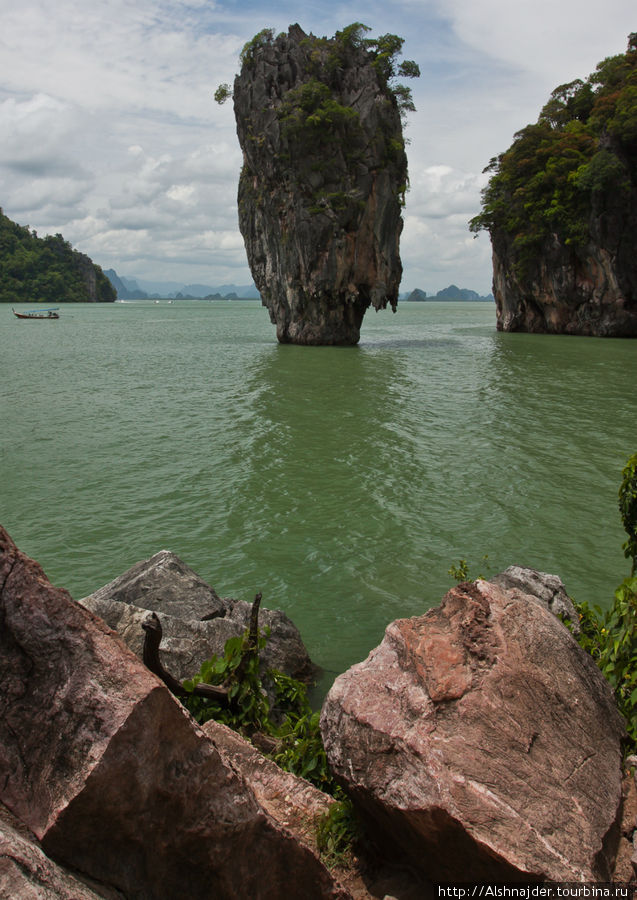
pixel 323 178
pixel 561 210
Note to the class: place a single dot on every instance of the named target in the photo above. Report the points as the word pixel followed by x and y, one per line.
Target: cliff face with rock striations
pixel 98 287
pixel 322 183
pixel 591 290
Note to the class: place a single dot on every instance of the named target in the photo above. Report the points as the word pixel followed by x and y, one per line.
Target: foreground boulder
pixel 298 806
pixel 481 736
pixel 109 772
pixel 196 622
pixel 292 801
pixel 322 182
pixel 549 589
pixel 26 872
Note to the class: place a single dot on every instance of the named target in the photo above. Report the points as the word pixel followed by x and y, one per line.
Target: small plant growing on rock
pixel 248 709
pixel 460 572
pixel 337 832
pixel 276 708
pixel 264 37
pixel 223 93
pixel 611 639
pixel 301 750
pixel 289 727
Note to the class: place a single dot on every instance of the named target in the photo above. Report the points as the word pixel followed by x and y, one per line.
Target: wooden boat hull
pixel 49 315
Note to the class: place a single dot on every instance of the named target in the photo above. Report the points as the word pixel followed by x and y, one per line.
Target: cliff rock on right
pixel 561 210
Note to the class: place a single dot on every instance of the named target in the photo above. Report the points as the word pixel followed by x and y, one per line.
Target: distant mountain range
pixel 139 289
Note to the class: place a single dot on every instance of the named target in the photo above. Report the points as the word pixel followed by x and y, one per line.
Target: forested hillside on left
pixel 47 270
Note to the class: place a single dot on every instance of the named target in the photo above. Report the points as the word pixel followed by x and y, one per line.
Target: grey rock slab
pixel 166 583
pixel 196 622
pixel 547 588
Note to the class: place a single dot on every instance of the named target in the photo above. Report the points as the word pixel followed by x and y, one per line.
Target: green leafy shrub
pixel 253 46
pixel 460 572
pixel 611 636
pixel 301 751
pixel 248 708
pixel 291 695
pixel 331 54
pixel 290 721
pixel 611 639
pixel 223 93
pixel 310 116
pixel 628 509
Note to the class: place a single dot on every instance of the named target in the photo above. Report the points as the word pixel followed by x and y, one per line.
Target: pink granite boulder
pixel 111 774
pixel 482 741
pixel 26 873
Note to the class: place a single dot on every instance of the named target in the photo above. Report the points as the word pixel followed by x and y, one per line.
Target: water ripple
pixel 341 482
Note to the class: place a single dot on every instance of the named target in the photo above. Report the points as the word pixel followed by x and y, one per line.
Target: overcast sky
pixel 110 135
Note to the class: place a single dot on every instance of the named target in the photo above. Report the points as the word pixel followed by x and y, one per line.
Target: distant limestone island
pixel 131 289
pixel 452 292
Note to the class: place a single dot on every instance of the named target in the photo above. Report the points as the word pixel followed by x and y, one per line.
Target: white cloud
pixel 182 193
pixel 116 54
pixel 109 132
pixel 555 41
pixel 36 133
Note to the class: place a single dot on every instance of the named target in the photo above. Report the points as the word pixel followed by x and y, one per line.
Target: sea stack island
pixel 323 179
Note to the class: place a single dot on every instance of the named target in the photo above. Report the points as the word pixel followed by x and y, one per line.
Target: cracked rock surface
pixel 482 732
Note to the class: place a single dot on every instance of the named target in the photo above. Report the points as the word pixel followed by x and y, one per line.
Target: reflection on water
pixel 420 344
pixel 341 482
pixel 314 509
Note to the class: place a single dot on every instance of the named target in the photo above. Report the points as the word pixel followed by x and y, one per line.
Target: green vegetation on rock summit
pixel 579 160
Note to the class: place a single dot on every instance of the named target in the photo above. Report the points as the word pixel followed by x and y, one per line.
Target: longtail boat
pixel 51 313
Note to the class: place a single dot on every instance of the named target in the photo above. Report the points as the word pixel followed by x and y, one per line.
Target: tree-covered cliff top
pixel 46 270
pixel 578 160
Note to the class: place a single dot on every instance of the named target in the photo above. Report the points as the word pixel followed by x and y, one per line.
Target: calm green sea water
pixel 341 482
